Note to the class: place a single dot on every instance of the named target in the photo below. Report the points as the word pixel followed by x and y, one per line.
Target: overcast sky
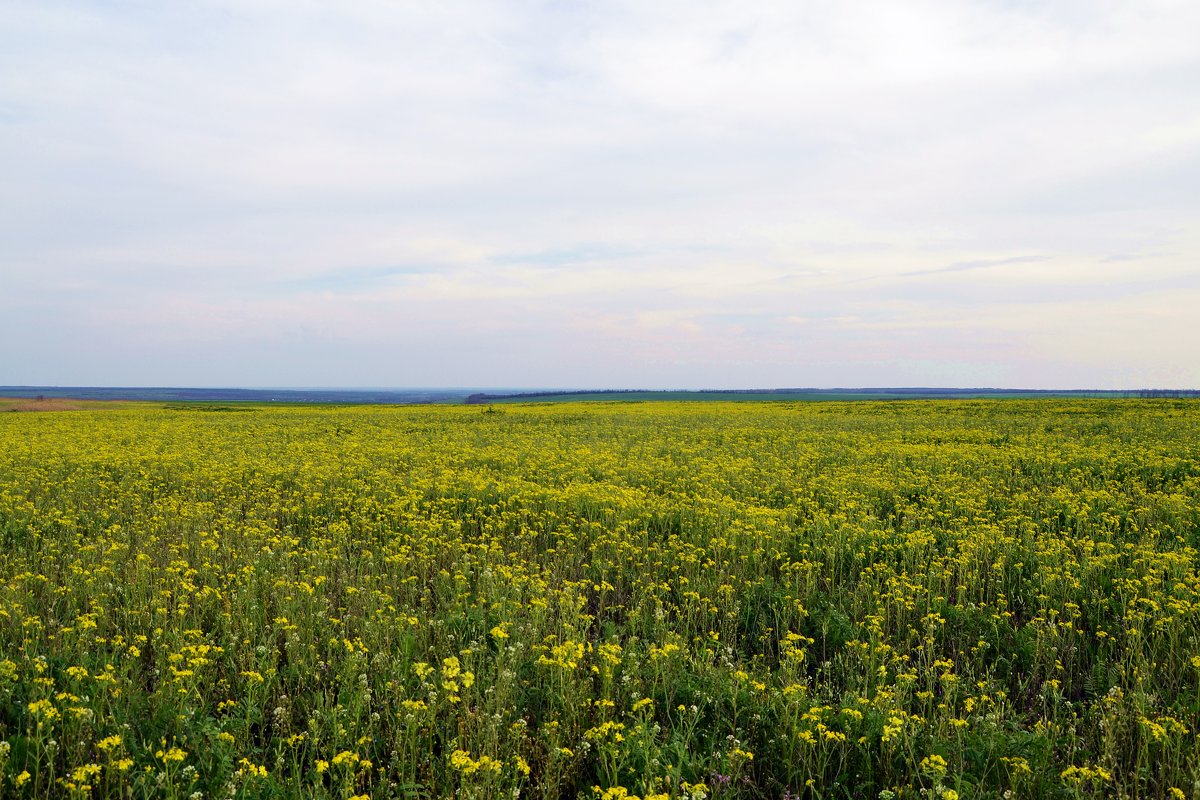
pixel 645 194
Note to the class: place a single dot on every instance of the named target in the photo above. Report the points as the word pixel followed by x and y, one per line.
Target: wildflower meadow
pixel 894 600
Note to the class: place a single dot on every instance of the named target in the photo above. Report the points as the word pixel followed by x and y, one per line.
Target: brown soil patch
pixel 46 404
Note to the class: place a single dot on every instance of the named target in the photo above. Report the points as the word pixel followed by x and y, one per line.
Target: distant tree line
pixel 1172 394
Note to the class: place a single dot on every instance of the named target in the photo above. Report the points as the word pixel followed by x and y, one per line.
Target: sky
pixel 600 194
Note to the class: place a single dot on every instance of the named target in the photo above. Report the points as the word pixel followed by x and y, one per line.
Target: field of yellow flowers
pixel 992 599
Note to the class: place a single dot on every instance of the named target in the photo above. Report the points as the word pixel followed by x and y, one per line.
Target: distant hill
pixel 809 394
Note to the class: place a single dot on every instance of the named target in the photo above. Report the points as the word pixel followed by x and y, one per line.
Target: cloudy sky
pixel 600 194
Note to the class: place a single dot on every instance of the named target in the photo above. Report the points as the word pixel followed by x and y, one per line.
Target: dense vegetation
pixel 922 599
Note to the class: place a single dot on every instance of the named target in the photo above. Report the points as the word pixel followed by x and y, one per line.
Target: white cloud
pixel 604 194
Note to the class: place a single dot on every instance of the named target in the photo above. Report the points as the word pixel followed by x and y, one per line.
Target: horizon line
pixel 591 389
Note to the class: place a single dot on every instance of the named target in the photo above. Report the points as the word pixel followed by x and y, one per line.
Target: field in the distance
pixel 48 404
pixel 708 600
pixel 807 395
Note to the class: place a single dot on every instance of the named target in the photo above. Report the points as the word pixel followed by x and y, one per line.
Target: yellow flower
pixel 81 774
pixel 616 793
pixel 171 755
pixel 461 760
pixel 740 755
pixel 109 743
pixel 934 766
